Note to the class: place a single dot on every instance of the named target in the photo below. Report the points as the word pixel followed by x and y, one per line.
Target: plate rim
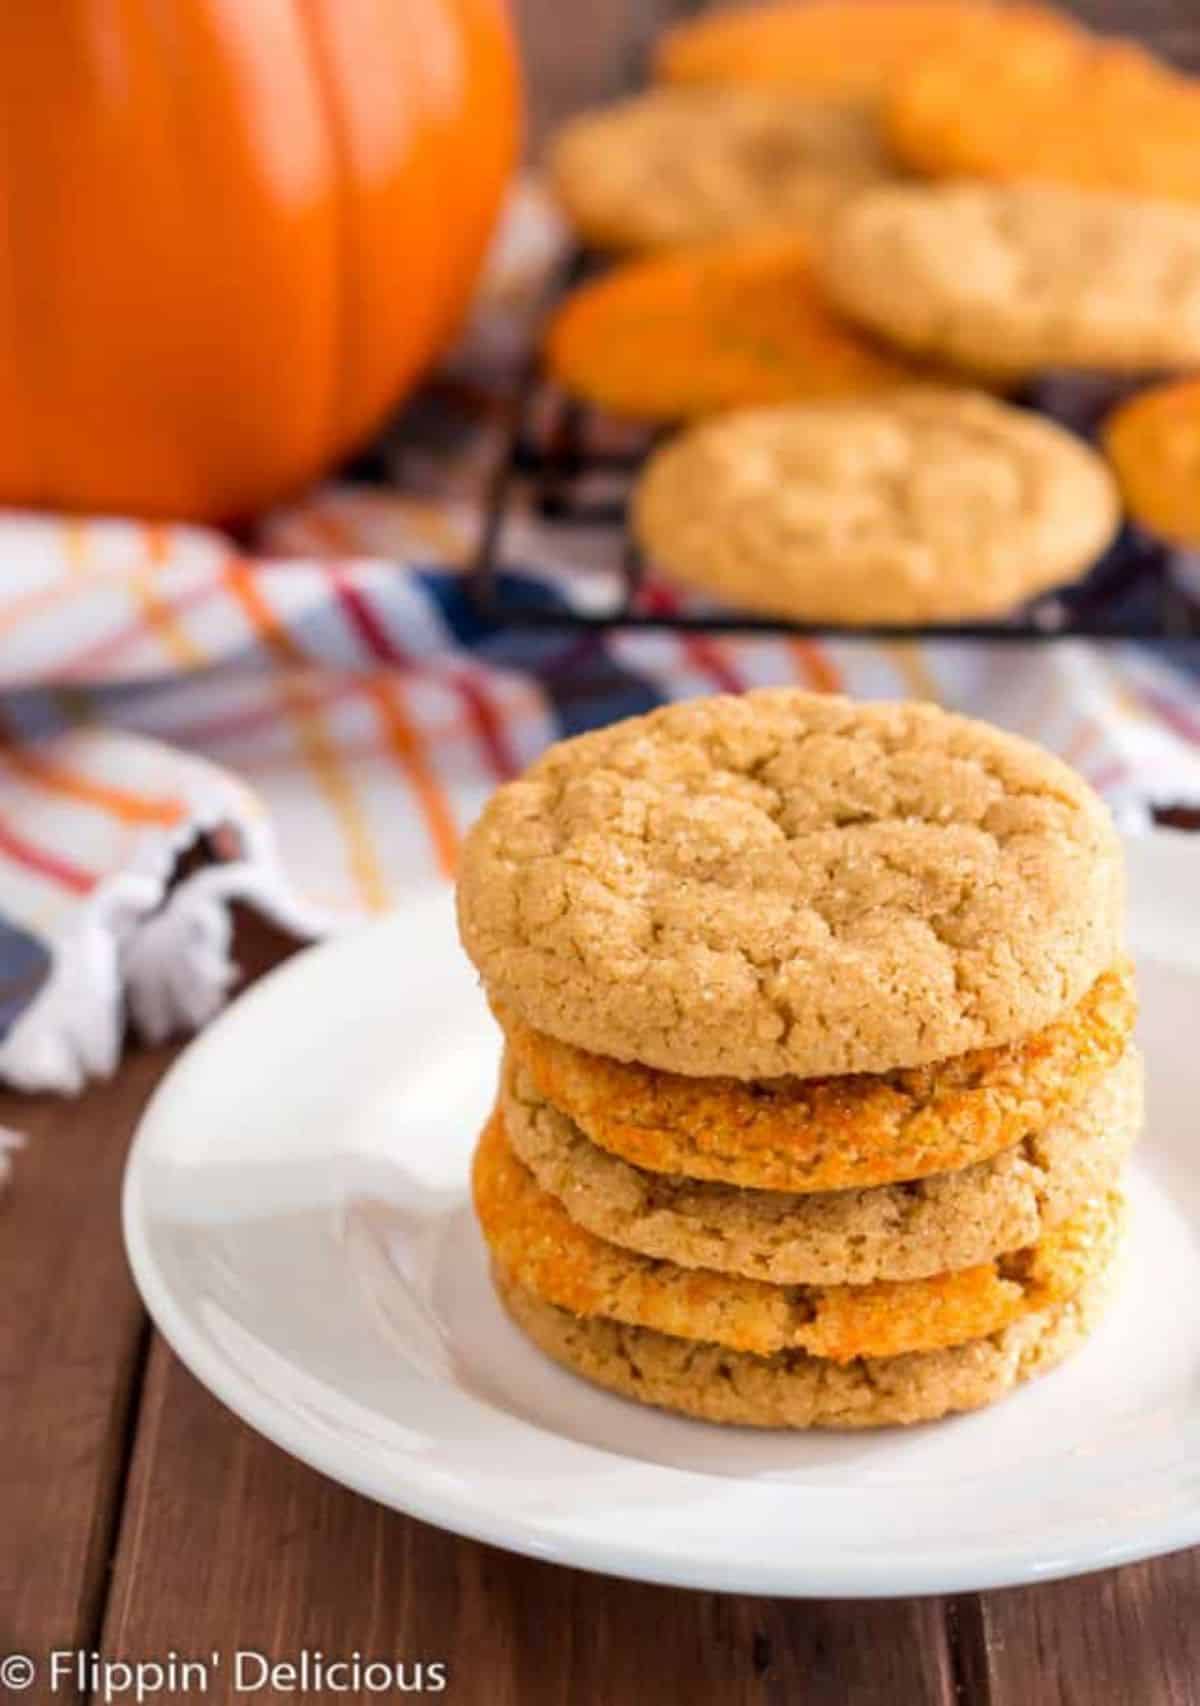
pixel 914 1574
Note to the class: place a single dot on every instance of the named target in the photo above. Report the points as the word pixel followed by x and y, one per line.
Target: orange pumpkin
pixel 232 232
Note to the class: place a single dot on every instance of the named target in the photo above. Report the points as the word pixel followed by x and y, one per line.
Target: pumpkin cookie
pixel 839 49
pixel 1153 442
pixel 843 1133
pixel 848 1237
pixel 780 882
pixel 714 328
pixel 1016 278
pixel 920 506
pixel 535 1240
pixel 794 1390
pixel 1071 109
pixel 677 166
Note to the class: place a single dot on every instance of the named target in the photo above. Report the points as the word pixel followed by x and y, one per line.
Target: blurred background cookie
pixel 1153 442
pixel 719 327
pixel 1021 277
pixel 932 505
pixel 838 49
pixel 1067 108
pixel 679 166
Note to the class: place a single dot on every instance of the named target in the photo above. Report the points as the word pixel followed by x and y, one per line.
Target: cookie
pixel 794 1390
pixel 718 327
pixel 835 1134
pixel 849 1237
pixel 1020 277
pixel 840 49
pixel 919 506
pixel 779 882
pixel 679 166
pixel 535 1240
pixel 1153 442
pixel 1071 109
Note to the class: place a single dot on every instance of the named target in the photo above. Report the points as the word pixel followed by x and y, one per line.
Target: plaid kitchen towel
pixel 308 719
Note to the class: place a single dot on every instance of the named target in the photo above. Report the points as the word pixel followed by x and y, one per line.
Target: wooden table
pixel 138 1517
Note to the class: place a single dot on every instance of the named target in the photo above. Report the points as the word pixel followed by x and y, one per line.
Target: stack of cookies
pixel 818 1080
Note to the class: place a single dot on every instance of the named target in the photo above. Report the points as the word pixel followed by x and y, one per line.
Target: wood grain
pixel 72 1341
pixel 278 1559
pixel 1128 1637
pixel 70 1333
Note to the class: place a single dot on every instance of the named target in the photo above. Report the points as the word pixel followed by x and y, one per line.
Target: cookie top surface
pixel 1069 108
pixel 849 1237
pixel 677 166
pixel 1020 277
pixel 1153 442
pixel 533 1238
pixel 725 325
pixel 842 48
pixel 918 506
pixel 783 882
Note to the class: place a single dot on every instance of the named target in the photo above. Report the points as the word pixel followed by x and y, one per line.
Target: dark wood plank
pixel 1130 1637
pixel 70 1331
pixel 72 1338
pixel 278 1559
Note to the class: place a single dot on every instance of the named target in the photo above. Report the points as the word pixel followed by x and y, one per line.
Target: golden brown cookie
pixel 1153 442
pixel 794 1390
pixel 779 882
pixel 719 327
pixel 680 166
pixel 848 1237
pixel 920 506
pixel 843 1133
pixel 1021 277
pixel 1071 109
pixel 837 49
pixel 535 1240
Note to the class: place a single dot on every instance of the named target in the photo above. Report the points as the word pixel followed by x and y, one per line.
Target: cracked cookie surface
pixel 678 166
pixel 535 1241
pixel 915 506
pixel 794 1390
pixel 948 1221
pixel 1011 279
pixel 783 882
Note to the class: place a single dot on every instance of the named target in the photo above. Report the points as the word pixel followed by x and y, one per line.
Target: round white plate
pixel 297 1219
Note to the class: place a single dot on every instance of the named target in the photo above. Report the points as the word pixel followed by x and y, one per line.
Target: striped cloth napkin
pixel 307 719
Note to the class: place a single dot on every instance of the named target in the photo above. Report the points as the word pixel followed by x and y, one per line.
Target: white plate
pixel 297 1220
